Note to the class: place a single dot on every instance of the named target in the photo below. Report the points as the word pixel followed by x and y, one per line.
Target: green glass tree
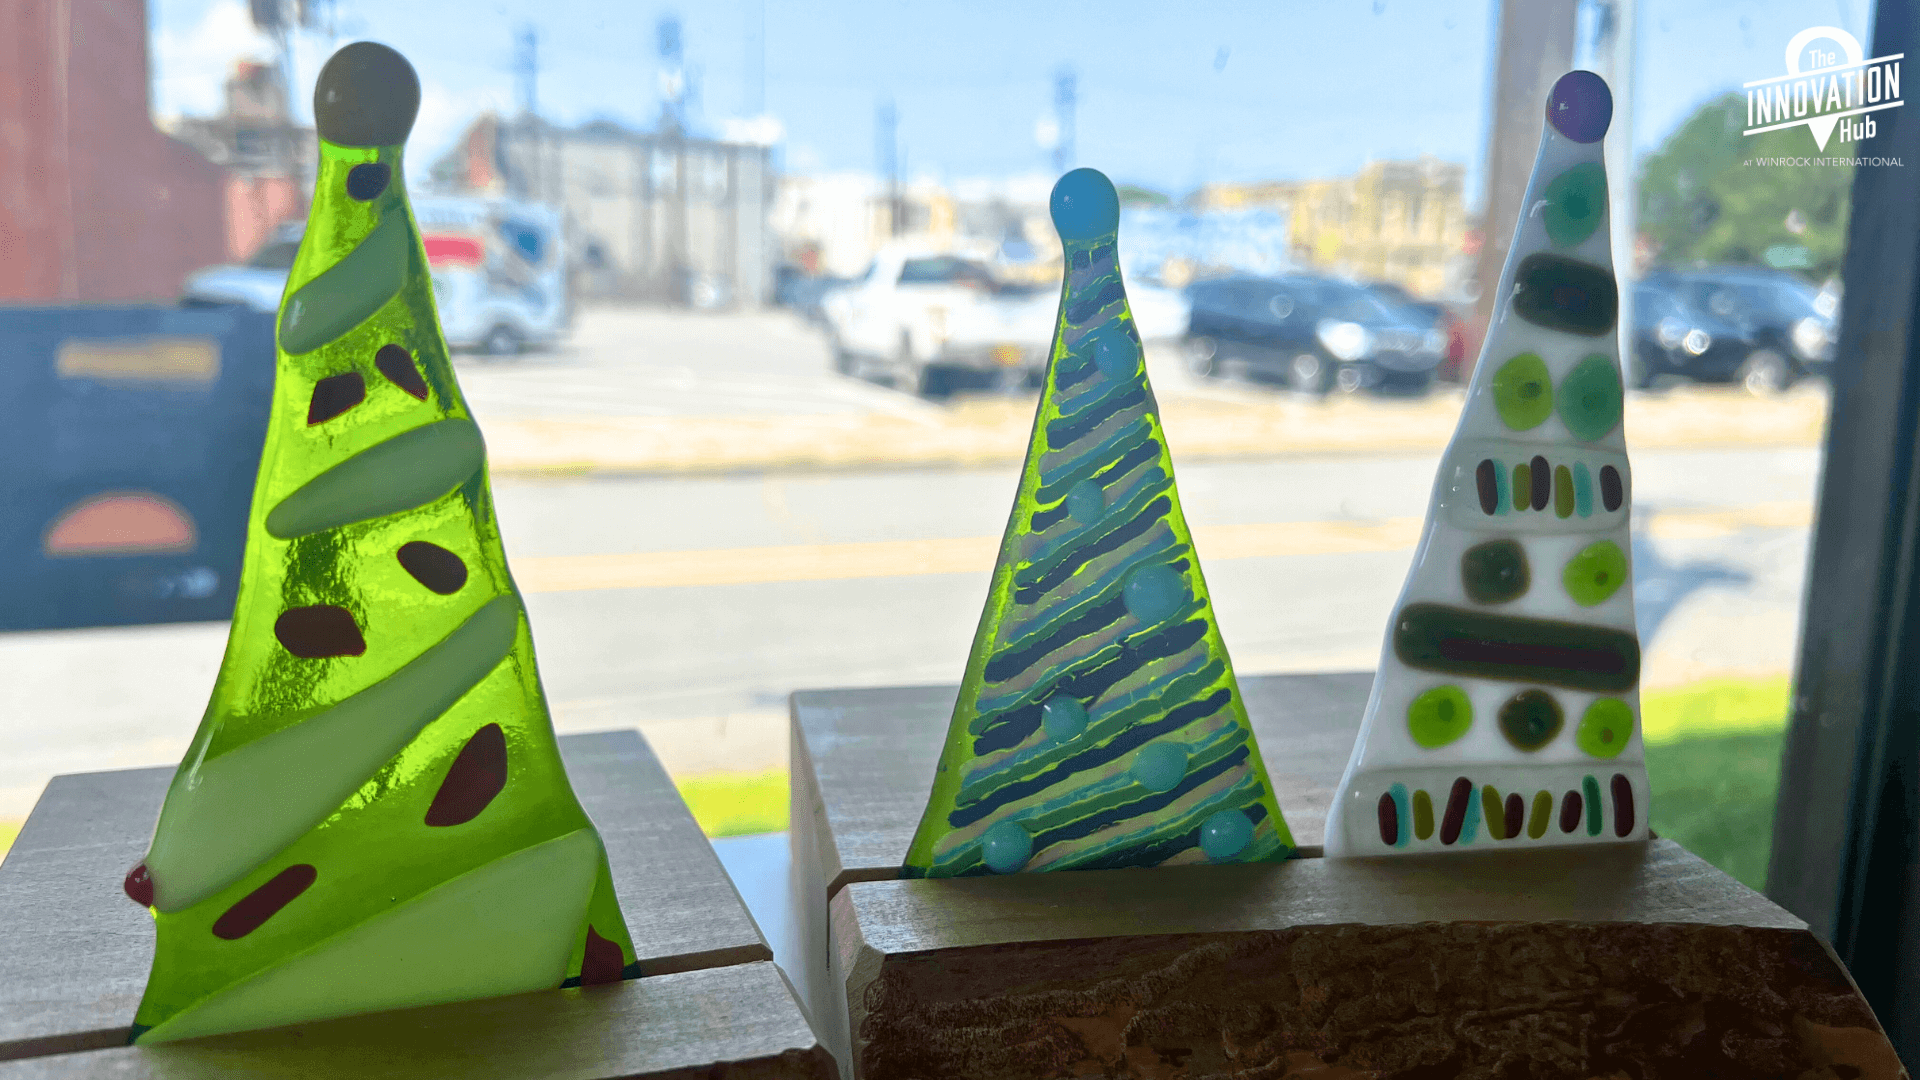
pixel 373 813
pixel 1099 724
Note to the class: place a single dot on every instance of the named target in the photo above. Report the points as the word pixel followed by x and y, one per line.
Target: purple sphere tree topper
pixel 1580 106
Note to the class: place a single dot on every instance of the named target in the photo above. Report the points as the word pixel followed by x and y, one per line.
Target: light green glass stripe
pixel 226 815
pixel 411 469
pixel 526 907
pixel 347 292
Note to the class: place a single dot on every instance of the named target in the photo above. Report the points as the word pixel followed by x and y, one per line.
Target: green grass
pixel 1713 760
pixel 1713 757
pixel 736 804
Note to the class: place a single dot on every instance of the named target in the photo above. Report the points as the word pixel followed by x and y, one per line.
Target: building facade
pixel 1398 221
pixel 270 160
pixel 96 204
pixel 655 216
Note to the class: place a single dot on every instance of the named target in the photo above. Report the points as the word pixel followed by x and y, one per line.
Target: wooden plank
pixel 730 1023
pixel 1639 959
pixel 863 764
pixel 75 952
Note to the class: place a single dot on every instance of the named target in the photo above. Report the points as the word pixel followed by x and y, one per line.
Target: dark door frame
pixel 1846 839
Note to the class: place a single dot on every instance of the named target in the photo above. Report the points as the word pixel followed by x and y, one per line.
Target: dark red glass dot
pixel 251 911
pixel 139 885
pixel 397 365
pixel 477 774
pixel 602 962
pixel 319 631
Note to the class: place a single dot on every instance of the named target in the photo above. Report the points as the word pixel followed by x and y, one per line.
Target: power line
pixel 1065 91
pixel 526 68
pixel 886 136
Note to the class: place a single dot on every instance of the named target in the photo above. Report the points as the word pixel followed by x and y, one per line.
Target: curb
pixel 1225 425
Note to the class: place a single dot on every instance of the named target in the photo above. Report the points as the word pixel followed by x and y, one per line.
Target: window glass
pixel 734 454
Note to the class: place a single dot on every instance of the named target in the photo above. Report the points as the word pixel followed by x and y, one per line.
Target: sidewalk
pixel 1207 421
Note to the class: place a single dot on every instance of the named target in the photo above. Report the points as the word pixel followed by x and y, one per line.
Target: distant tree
pixel 1701 201
pixel 1130 195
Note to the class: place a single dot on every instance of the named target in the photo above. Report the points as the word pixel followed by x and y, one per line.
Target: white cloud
pixel 762 130
pixel 190 69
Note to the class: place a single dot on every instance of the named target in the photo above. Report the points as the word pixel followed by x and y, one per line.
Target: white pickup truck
pixel 923 318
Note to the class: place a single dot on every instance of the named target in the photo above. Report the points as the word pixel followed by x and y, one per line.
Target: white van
pixel 499 272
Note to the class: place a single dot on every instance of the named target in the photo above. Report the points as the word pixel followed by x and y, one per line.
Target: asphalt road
pixel 658 603
pixel 654 362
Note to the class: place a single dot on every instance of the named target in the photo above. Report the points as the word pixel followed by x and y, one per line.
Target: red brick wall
pixel 255 204
pixel 95 204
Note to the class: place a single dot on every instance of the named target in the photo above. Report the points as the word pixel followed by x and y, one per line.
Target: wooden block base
pixel 1639 961
pixel 75 953
pixel 729 1023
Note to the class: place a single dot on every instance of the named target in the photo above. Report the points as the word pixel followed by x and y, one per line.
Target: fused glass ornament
pixel 1505 712
pixel 1099 723
pixel 373 813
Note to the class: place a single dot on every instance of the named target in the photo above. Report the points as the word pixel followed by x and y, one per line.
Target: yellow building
pixel 1398 221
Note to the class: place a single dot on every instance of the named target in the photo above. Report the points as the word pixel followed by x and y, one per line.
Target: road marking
pixel 975 554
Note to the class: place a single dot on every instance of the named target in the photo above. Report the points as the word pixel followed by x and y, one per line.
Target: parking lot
pixel 705 517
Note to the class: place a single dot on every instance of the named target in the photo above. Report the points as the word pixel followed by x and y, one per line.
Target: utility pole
pixel 673 76
pixel 526 171
pixel 1064 90
pixel 1613 50
pixel 672 128
pixel 886 136
pixel 1534 49
pixel 526 68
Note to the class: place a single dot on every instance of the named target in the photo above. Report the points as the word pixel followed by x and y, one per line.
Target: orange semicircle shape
pixel 121 523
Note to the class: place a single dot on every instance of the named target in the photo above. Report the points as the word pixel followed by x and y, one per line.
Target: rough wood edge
pixel 612 1009
pixel 65 1043
pixel 733 956
pixel 866 970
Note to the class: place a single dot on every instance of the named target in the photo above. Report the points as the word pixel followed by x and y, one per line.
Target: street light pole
pixel 1534 48
pixel 1613 56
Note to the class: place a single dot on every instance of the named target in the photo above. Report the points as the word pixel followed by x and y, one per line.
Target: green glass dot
pixel 1160 766
pixel 1523 392
pixel 1063 717
pixel 1006 847
pixel 1225 834
pixel 1085 501
pixel 1596 573
pixel 1530 719
pixel 1495 572
pixel 1576 201
pixel 1605 728
pixel 1589 397
pixel 1439 716
pixel 1155 593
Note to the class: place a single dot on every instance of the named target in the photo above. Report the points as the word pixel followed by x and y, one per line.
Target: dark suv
pixel 1765 328
pixel 1312 334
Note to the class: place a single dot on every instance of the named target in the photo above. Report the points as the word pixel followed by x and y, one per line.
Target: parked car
pixel 499 273
pixel 1159 313
pixel 1764 328
pixel 1444 319
pixel 805 293
pixel 256 284
pixel 1312 334
pixel 926 320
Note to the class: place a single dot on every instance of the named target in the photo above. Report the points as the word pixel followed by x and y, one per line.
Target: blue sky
pixel 1171 94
